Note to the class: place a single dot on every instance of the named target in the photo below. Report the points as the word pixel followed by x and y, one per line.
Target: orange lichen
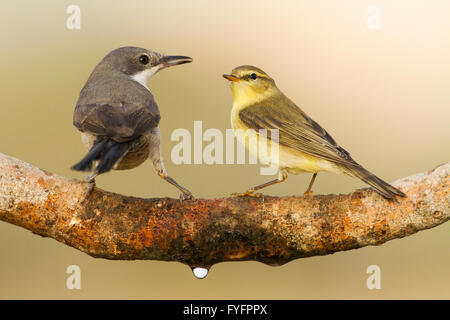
pixel 206 231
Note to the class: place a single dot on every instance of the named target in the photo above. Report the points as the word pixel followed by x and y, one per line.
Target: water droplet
pixel 200 273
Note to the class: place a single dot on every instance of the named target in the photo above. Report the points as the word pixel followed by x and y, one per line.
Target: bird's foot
pixel 186 196
pixel 89 189
pixel 308 193
pixel 248 193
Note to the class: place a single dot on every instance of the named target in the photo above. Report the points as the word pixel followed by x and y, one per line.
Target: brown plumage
pixel 118 116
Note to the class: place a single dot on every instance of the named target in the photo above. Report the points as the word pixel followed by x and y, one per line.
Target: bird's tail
pixel 107 152
pixel 382 187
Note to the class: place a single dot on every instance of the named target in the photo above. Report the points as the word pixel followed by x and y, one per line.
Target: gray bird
pixel 118 116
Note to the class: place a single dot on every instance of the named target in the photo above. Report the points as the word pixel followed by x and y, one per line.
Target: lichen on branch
pixel 202 232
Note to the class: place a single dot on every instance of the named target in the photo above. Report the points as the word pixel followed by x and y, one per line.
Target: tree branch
pixel 202 232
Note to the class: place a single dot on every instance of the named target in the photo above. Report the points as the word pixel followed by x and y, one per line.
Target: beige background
pixel 382 94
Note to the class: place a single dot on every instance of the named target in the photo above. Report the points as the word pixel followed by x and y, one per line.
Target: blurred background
pixel 383 94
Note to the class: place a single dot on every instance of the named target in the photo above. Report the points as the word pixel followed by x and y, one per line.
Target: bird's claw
pixel 248 193
pixel 308 193
pixel 186 196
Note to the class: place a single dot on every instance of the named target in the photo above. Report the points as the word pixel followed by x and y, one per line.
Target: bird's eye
pixel 143 59
pixel 253 76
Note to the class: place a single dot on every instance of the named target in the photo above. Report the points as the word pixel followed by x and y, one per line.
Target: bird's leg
pixel 158 165
pixel 91 185
pixel 308 191
pixel 251 192
pixel 185 195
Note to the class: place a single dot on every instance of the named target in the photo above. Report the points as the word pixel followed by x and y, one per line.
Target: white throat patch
pixel 144 76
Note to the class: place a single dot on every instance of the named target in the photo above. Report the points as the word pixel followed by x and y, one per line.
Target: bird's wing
pixel 122 114
pixel 296 130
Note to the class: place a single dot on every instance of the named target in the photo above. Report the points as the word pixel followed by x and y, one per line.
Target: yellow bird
pixel 303 145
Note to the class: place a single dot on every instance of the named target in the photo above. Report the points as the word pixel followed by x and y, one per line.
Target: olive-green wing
pixel 296 129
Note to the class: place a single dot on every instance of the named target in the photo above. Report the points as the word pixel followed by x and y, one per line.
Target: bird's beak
pixel 168 61
pixel 230 77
